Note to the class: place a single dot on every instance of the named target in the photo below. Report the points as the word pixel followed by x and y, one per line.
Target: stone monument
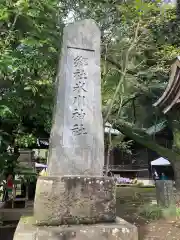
pixel 75 201
pixel 165 193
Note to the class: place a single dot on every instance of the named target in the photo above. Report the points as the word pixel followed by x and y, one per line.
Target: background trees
pixel 139 41
pixel 30 41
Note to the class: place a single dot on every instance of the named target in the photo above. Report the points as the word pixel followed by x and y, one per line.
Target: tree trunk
pixel 173 155
pixel 141 137
pixel 178 9
pixel 176 168
pixel 175 119
pixel 164 193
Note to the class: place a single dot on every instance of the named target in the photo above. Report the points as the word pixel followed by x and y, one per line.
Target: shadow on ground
pixel 129 202
pixel 7 230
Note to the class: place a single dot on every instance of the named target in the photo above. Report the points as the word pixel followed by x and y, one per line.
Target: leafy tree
pixel 29 44
pixel 139 39
pixel 160 46
pixel 136 57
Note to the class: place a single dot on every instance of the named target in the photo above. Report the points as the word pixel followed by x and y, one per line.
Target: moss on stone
pixel 28 220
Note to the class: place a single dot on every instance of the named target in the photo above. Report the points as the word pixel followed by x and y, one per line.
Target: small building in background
pixel 138 162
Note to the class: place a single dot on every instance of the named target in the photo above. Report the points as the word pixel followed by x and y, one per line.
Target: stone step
pixel 120 229
pixel 152 238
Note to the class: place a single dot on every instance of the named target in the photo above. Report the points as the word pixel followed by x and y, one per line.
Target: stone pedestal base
pixel 120 229
pixel 74 200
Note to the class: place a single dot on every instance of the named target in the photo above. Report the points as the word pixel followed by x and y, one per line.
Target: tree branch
pixel 137 95
pixel 134 111
pixel 145 140
pixel 124 71
pixel 118 66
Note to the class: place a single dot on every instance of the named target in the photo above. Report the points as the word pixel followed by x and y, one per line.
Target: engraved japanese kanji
pixel 79 89
pixel 78 129
pixel 80 61
pixel 80 74
pixel 78 113
pixel 79 86
pixel 79 100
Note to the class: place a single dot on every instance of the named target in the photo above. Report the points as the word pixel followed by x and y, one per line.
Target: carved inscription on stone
pixel 79 95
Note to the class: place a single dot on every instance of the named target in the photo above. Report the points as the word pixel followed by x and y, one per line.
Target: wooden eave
pixel 171 95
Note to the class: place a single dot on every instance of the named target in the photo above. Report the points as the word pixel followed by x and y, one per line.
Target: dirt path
pixel 162 230
pixel 156 230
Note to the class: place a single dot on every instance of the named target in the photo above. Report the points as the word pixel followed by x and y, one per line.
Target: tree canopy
pixel 139 41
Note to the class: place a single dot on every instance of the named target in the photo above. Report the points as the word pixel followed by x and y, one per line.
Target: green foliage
pixel 140 184
pixel 138 41
pixel 151 212
pixel 29 44
pixel 30 37
pixel 124 146
pixel 154 211
pixel 25 140
pixel 26 174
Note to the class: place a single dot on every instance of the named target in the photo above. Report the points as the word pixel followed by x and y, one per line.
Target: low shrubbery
pixel 154 212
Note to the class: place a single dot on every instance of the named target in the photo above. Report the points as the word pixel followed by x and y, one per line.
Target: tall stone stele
pixel 75 201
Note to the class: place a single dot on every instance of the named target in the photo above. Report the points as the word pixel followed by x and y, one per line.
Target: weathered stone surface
pixel 77 139
pixel 165 193
pixel 75 192
pixel 119 230
pixel 74 200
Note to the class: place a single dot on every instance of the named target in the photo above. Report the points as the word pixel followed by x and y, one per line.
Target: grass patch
pixel 147 187
pixel 130 191
pixel 155 212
